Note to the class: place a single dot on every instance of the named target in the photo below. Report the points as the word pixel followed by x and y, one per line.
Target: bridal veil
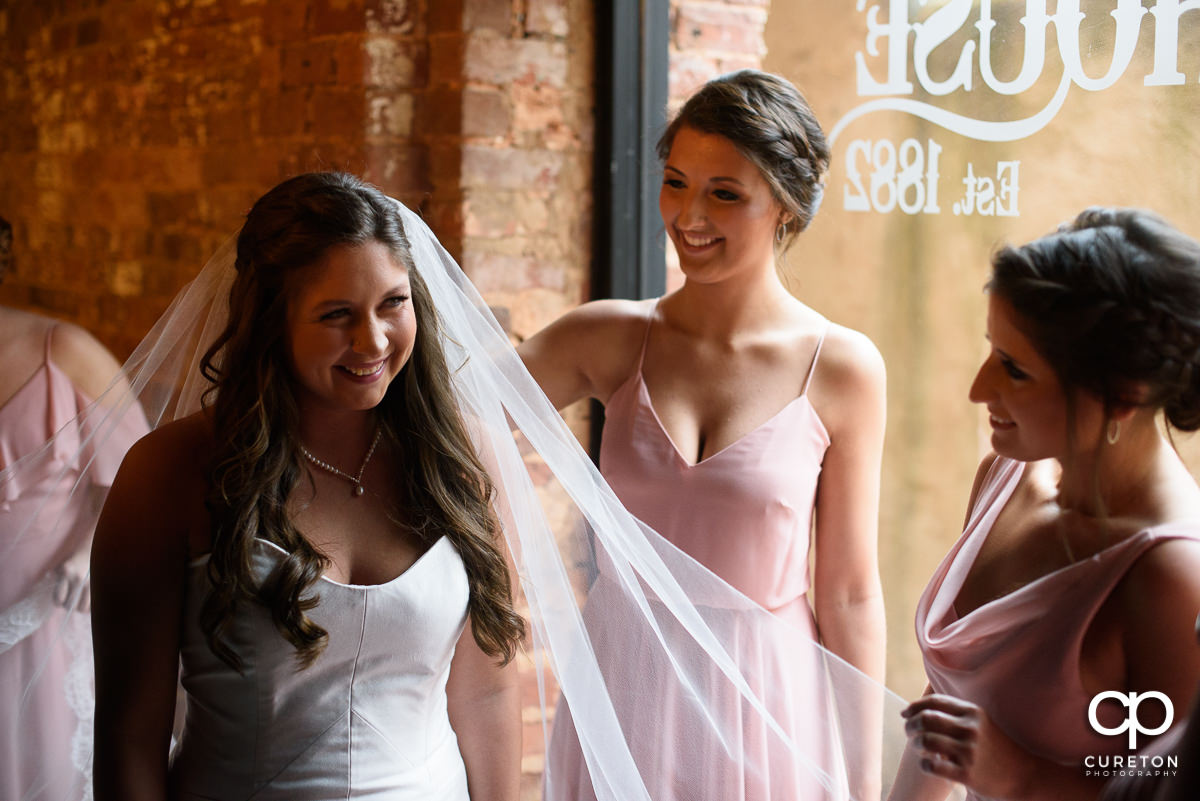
pixel 639 638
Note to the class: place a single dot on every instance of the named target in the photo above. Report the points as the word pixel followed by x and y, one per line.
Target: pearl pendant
pixel 358 490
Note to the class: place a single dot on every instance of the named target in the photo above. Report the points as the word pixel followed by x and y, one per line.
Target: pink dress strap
pixel 812 368
pixel 646 336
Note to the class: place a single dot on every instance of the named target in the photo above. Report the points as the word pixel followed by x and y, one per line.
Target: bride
pixel 316 545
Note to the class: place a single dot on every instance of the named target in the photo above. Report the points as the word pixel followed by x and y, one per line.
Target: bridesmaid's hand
pixel 956 740
pixel 71 589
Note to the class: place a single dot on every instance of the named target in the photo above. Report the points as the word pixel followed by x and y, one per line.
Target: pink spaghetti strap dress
pixel 1018 655
pixel 745 513
pixel 43 670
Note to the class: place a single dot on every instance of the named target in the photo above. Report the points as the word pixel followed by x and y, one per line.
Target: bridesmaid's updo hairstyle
pixel 1112 302
pixel 771 124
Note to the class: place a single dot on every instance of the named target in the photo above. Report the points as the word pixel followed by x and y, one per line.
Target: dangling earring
pixel 1114 432
pixel 780 232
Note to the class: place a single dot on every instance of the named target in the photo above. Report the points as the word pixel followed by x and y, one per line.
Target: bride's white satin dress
pixel 367 720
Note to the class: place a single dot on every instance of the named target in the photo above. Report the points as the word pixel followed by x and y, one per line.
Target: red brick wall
pixel 136 134
pixel 710 37
pixel 512 103
pixel 521 200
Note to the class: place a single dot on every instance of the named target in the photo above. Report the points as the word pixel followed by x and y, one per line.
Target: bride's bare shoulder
pixel 174 457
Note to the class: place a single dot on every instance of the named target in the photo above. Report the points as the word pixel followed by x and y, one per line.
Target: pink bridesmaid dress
pixel 1018 656
pixel 745 513
pixel 45 676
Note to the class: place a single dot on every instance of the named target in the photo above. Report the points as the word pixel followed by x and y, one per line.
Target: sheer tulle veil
pixel 633 633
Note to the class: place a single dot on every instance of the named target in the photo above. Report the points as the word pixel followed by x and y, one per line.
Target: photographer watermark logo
pixel 1132 723
pixel 1132 764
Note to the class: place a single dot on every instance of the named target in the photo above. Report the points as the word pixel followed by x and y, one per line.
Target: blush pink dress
pixel 45 670
pixel 745 513
pixel 1018 655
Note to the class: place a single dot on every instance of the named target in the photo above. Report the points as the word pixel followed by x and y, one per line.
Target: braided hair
pixel 1112 301
pixel 771 124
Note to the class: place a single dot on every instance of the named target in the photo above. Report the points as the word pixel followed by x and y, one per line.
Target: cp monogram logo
pixel 1130 701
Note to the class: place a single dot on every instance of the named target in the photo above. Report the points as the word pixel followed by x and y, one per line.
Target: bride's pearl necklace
pixel 355 479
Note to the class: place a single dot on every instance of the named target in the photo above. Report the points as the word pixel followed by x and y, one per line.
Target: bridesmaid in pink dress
pixel 1078 571
pixel 51 372
pixel 738 419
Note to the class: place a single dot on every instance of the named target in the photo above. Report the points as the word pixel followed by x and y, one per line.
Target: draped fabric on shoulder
pixel 631 630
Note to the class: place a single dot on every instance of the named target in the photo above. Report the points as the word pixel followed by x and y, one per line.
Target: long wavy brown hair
pixel 258 462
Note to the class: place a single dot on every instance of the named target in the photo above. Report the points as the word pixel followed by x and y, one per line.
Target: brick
pixel 125 278
pixel 169 208
pixel 394 63
pixel 58 303
pixel 446 54
pixel 441 112
pixel 537 308
pixel 396 16
pixel 390 115
pixel 229 122
pixel 350 58
pixel 283 22
pixel 538 110
pixel 498 61
pixel 310 62
pixel 227 162
pixel 735 62
pixel 496 168
pixel 177 15
pixel 336 16
pixel 397 169
pixel 714 28
pixel 493 15
pixel 445 218
pixel 445 17
pixel 489 215
pixel 497 215
pixel 689 72
pixel 485 113
pixel 88 31
pixel 498 272
pixel 62 36
pixel 546 17
pixel 286 113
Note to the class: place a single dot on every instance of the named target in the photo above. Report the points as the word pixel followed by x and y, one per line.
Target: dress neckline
pixel 977 541
pixel 645 399
pixel 638 377
pixel 202 560
pixel 25 387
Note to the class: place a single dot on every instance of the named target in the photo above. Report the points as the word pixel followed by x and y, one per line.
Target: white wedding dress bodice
pixel 367 720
